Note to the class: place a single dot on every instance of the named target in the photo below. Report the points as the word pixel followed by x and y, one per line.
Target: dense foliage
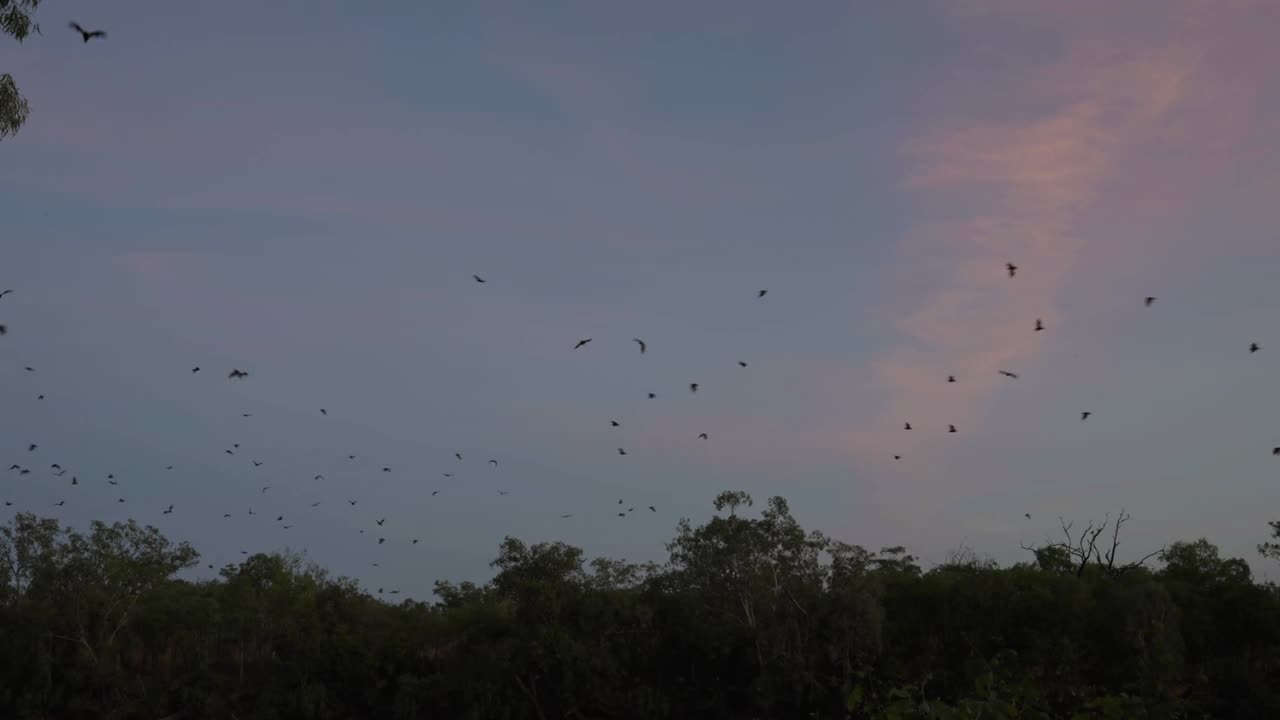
pixel 751 617
pixel 15 21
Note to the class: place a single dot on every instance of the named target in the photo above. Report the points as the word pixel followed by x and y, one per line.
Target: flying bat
pixel 87 34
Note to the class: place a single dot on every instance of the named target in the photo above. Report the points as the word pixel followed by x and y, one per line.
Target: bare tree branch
pixel 1082 548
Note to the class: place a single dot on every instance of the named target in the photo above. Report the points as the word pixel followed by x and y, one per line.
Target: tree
pixel 1077 551
pixel 1200 563
pixel 13 107
pixel 28 548
pixel 751 616
pixel 758 585
pixel 71 597
pixel 107 572
pixel 15 21
pixel 1271 548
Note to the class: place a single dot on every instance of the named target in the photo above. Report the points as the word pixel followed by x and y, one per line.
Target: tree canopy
pixel 16 22
pixel 750 617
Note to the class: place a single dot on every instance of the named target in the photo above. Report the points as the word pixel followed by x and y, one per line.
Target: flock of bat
pixel 238 374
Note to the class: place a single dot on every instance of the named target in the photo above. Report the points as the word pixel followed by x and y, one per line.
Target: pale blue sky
pixel 303 190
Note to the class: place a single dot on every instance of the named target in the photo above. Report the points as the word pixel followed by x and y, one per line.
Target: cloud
pixel 158 267
pixel 1123 118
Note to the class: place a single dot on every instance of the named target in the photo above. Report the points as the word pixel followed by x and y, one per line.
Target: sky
pixel 304 191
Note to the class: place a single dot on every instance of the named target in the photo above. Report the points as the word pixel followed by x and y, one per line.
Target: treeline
pixel 751 617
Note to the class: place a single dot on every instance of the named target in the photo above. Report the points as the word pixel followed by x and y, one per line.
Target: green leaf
pixel 854 701
pixel 984 683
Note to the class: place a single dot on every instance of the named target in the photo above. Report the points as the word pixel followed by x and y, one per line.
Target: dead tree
pixel 1083 548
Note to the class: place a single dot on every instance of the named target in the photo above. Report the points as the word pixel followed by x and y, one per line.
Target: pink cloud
pixel 313 205
pixel 1139 124
pixel 158 268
